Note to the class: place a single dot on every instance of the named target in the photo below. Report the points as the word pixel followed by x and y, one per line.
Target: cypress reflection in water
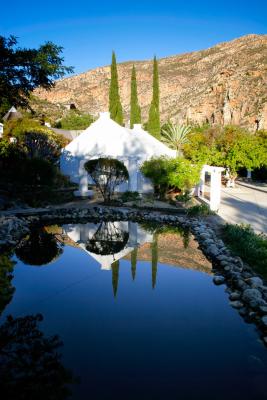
pixel 133 262
pixel 154 258
pixel 115 276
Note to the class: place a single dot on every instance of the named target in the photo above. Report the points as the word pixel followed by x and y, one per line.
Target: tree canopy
pixel 107 174
pixel 23 69
pixel 230 146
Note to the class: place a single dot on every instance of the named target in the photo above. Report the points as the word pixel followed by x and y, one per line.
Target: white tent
pixel 12 114
pixel 106 138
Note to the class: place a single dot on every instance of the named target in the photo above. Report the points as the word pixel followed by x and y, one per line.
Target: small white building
pixel 106 138
pixel 1 130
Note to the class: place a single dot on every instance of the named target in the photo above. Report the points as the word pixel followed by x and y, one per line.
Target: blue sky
pixel 136 30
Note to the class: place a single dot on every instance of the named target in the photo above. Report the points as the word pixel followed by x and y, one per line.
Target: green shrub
pixel 38 141
pixel 130 196
pixel 37 171
pixel 167 172
pixel 184 197
pixel 75 121
pixel 248 245
pixel 199 210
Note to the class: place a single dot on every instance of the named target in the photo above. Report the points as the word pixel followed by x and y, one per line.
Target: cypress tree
pixel 153 125
pixel 115 107
pixel 135 113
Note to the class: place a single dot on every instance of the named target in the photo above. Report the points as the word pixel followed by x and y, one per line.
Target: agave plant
pixel 175 136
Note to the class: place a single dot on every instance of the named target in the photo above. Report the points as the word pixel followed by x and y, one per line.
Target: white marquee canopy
pixel 106 138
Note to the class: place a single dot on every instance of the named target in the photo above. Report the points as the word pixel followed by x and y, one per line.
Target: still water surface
pixel 138 315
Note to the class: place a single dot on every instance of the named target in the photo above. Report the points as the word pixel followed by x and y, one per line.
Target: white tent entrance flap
pixel 209 188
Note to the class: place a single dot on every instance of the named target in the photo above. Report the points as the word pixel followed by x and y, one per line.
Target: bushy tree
pixel 107 174
pixel 115 107
pixel 230 147
pixel 37 140
pixel 167 172
pixel 135 109
pixel 153 124
pixel 22 70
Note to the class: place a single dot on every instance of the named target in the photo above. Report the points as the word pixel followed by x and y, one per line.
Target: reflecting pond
pixel 135 314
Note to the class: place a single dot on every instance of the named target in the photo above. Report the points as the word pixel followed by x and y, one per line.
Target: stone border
pixel 247 291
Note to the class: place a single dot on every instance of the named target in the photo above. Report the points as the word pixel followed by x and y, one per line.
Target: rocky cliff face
pixel 226 84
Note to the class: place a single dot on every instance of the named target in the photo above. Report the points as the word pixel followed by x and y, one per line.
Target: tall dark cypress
pixel 135 112
pixel 115 107
pixel 153 125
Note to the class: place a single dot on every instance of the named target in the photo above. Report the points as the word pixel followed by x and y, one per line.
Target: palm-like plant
pixel 175 136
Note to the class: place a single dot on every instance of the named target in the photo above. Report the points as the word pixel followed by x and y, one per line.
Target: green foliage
pixel 157 170
pixel 229 146
pixel 75 121
pixel 183 174
pixel 199 210
pixel 155 98
pixel 184 197
pixel 130 196
pixel 153 124
pixel 37 140
pixel 176 136
pixel 22 70
pixel 107 174
pixel 166 172
pixel 135 109
pixel 248 245
pixel 29 180
pixel 115 107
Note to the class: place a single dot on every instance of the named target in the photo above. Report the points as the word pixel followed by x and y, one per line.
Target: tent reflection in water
pixel 108 242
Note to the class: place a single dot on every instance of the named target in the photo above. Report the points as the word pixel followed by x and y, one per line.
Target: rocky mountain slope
pixel 225 84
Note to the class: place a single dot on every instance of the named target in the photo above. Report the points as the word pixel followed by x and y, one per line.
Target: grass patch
pixel 248 245
pixel 199 210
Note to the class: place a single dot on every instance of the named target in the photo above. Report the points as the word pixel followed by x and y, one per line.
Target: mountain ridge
pixel 223 84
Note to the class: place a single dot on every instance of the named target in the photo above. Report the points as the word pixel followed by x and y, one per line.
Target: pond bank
pixel 247 291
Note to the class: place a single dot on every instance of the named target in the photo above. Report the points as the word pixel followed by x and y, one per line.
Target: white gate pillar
pixel 215 189
pixel 215 186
